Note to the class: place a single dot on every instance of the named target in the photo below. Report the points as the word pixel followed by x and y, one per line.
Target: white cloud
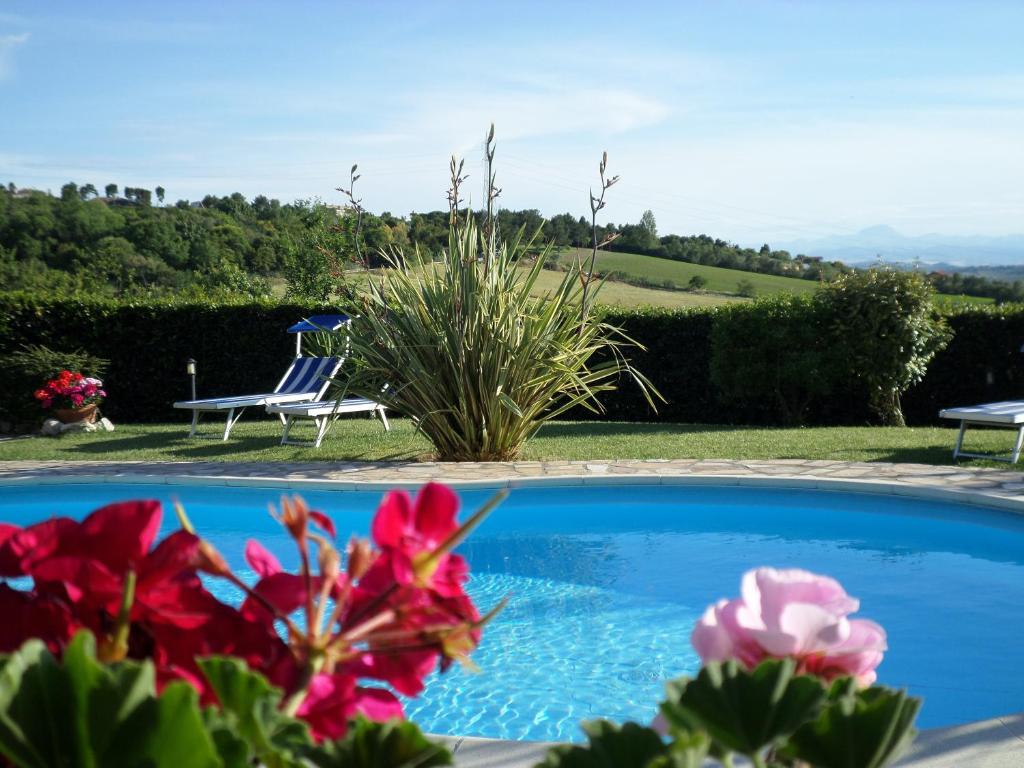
pixel 8 44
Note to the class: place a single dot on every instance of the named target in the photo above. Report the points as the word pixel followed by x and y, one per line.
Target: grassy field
pixel 948 300
pixel 614 294
pixel 721 288
pixel 618 294
pixel 361 439
pixel 679 272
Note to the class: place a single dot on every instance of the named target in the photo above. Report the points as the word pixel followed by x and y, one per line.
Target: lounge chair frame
pixel 1007 414
pixel 235 406
pixel 324 414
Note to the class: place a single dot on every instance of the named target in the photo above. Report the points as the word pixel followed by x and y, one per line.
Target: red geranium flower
pixel 393 616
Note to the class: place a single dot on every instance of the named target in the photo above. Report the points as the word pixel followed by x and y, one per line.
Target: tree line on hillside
pixel 128 241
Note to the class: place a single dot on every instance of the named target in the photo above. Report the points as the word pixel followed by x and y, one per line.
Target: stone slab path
pixel 987 485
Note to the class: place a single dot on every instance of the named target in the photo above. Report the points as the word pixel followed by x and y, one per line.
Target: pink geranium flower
pixel 792 614
pixel 70 390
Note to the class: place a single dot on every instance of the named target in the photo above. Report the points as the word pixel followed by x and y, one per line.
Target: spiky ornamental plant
pixel 465 347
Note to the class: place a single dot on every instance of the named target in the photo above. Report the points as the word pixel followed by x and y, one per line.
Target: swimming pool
pixel 605 584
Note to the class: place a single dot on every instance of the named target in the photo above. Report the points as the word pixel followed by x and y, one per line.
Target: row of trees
pixel 81 241
pixel 975 285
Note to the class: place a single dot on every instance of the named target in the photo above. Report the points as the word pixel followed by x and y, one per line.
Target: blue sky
pixel 753 121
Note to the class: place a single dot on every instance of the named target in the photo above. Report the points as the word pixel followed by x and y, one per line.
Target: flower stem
pixel 119 645
pixel 309 670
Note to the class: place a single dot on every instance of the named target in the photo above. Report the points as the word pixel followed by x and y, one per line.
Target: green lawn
pixel 365 440
pixel 721 288
pixel 719 280
pixel 946 300
pixel 617 294
pixel 614 294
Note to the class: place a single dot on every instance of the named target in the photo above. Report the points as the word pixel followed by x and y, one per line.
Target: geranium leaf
pixel 857 729
pixel 249 713
pixel 107 717
pixel 392 744
pixel 614 746
pixel 744 711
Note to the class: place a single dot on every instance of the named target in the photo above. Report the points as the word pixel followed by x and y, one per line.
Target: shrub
pixel 746 288
pixel 697 283
pixel 885 328
pixel 773 356
pixel 464 347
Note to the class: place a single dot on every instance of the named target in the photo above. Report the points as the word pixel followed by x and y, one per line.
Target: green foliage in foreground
pixel 771 716
pixel 361 439
pixel 111 716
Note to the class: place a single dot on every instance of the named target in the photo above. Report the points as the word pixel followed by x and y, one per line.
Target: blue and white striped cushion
pixel 307 375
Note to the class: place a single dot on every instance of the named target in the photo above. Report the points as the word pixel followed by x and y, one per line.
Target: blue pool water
pixel 605 584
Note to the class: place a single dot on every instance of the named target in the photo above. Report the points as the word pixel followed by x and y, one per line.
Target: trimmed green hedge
pixel 239 348
pixel 243 347
pixel 983 363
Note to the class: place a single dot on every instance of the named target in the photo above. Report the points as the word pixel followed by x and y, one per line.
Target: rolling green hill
pixel 624 295
pixel 613 293
pixel 719 280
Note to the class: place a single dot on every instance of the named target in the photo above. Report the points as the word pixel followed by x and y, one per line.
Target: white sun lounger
pixel 306 379
pixel 323 414
pixel 1009 414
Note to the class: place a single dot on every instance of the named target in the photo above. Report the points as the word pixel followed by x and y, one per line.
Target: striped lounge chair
pixel 306 380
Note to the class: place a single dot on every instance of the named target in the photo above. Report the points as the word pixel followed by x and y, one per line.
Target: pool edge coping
pixel 905 486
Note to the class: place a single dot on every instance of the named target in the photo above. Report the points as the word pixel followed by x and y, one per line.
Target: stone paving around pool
pixel 994 487
pixel 996 743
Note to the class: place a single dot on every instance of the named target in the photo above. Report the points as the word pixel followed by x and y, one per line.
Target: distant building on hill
pixel 118 202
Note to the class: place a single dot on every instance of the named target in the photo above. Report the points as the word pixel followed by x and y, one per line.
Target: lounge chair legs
pixel 321 422
pixel 958 451
pixel 959 440
pixel 231 421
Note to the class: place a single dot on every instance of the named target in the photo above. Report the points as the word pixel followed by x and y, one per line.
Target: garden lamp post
pixel 190 369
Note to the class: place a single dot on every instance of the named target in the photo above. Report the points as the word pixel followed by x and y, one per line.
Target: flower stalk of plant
pixel 471 347
pixel 115 648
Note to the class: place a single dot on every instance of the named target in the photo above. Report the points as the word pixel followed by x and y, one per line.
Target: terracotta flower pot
pixel 85 413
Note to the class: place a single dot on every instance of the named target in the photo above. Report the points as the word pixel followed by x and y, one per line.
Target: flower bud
pixel 330 563
pixel 209 560
pixel 360 557
pixel 295 516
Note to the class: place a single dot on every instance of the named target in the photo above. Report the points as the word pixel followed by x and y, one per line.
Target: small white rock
pixel 77 426
pixel 106 424
pixel 51 427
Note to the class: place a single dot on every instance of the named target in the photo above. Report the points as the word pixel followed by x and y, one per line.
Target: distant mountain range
pixel 961 253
